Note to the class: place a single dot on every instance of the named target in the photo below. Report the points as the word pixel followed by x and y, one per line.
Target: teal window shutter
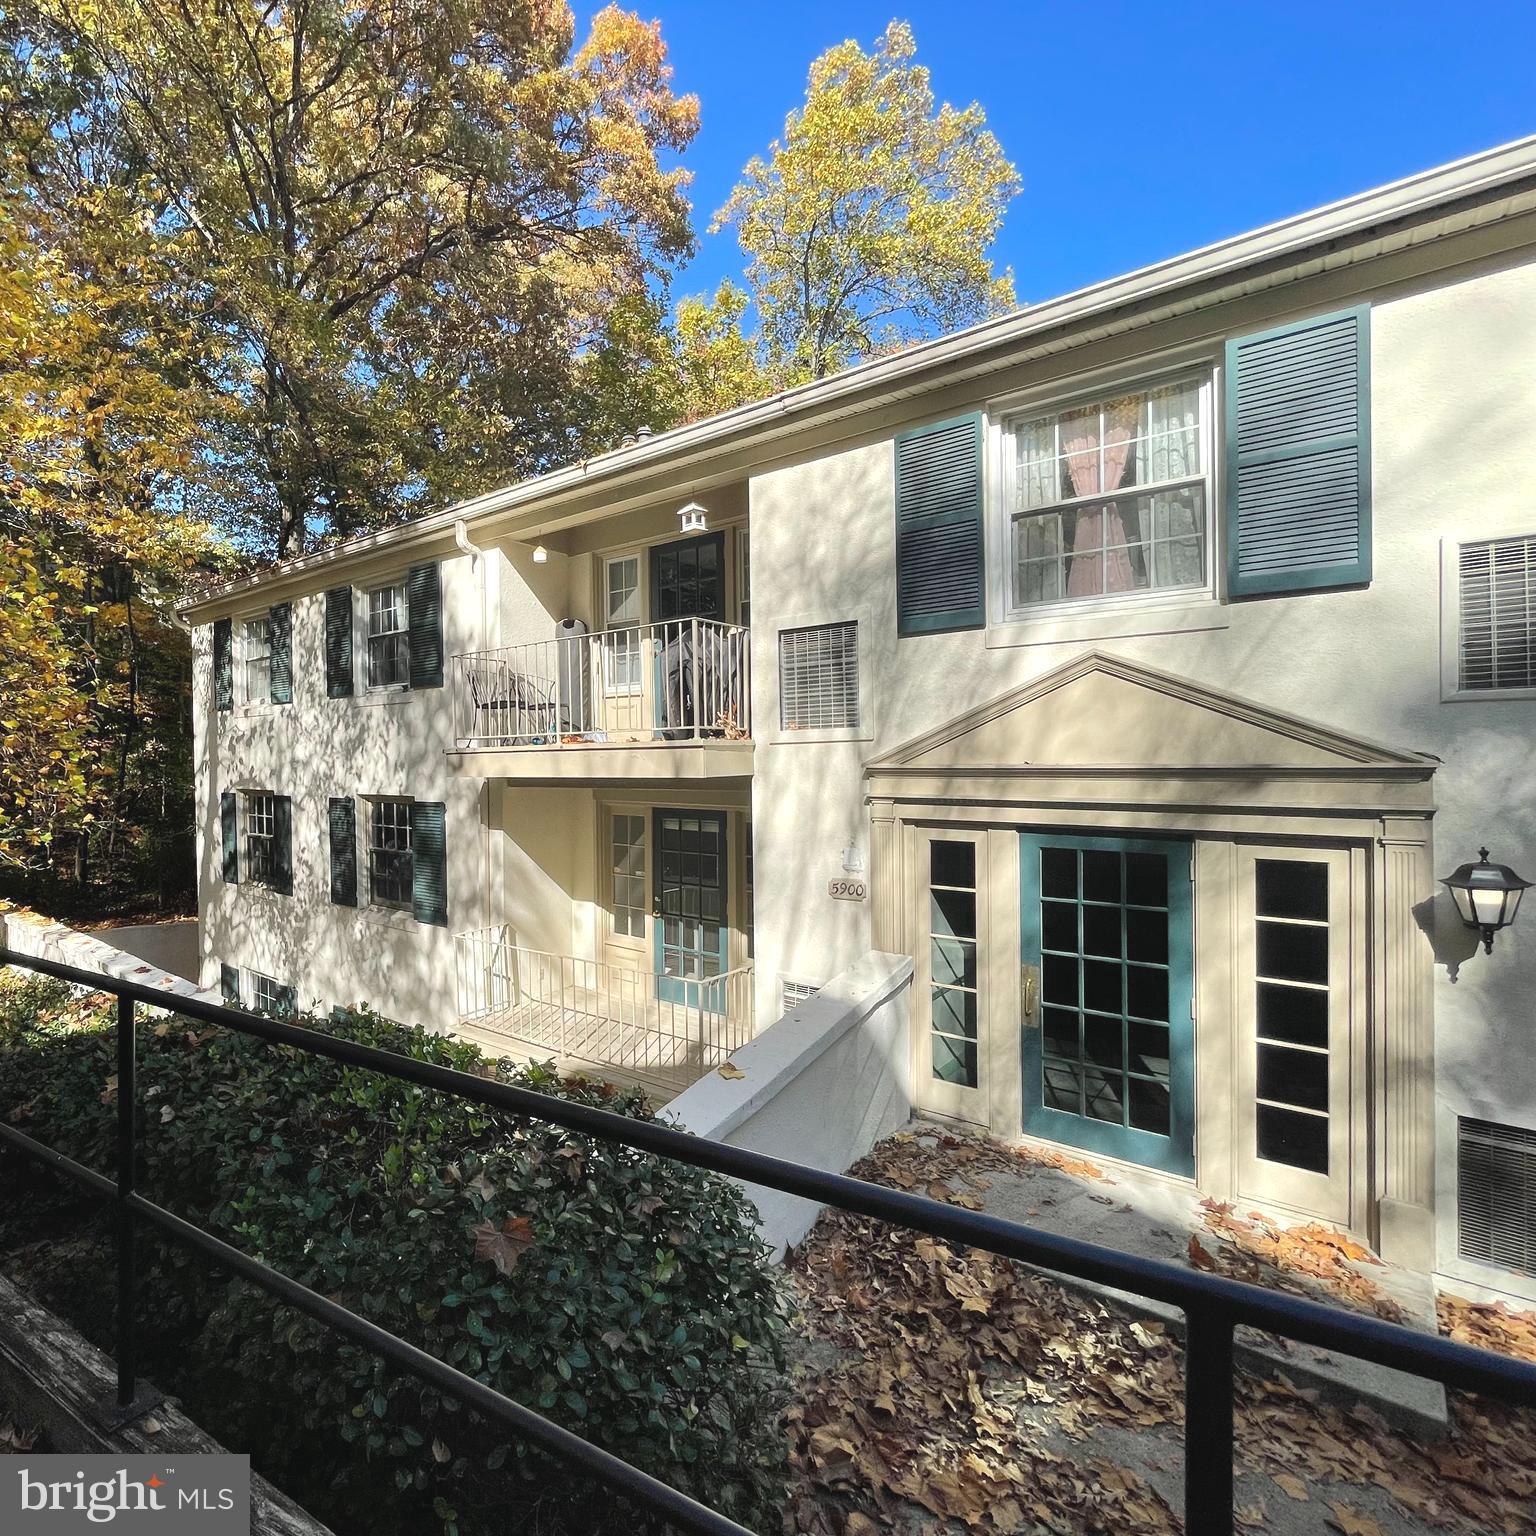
pixel 223 664
pixel 229 985
pixel 280 631
pixel 424 603
pixel 282 844
pixel 343 853
pixel 338 642
pixel 229 831
pixel 286 1003
pixel 429 862
pixel 1298 456
pixel 940 565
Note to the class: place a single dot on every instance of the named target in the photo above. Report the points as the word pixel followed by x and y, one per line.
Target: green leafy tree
pixel 870 222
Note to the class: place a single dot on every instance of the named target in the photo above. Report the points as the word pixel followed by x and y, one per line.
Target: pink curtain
pixel 1098 526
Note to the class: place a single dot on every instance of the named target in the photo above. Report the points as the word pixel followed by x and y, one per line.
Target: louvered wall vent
pixel 1498 618
pixel 1496 1194
pixel 819 677
pixel 793 993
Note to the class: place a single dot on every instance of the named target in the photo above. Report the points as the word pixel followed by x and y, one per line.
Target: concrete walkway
pixel 1151 1218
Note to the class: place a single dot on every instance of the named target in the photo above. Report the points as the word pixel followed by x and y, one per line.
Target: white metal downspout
pixel 488 903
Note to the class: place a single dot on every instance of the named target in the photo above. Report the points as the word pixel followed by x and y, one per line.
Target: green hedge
pixel 626 1297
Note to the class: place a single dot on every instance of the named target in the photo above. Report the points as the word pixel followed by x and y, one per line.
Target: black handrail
pixel 1213 1305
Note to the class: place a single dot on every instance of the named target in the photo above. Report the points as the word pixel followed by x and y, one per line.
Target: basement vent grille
pixel 793 993
pixel 819 677
pixel 1498 614
pixel 1496 1194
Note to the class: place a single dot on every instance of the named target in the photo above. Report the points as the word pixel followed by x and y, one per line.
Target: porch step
pixel 1148 1218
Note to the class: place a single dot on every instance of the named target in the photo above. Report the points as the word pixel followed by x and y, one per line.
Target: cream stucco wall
pixel 1453 373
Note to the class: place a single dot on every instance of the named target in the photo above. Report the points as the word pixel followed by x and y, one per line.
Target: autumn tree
pixel 869 223
pixel 407 221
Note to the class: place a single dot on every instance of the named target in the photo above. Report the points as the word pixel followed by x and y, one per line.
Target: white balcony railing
pixel 681 681
pixel 673 1028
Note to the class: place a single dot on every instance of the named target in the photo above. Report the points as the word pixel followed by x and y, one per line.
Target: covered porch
pixel 662 1030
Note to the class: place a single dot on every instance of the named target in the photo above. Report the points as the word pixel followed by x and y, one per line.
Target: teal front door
pixel 1108 1034
pixel 692 935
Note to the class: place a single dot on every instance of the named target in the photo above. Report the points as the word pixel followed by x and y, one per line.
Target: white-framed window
pixel 819 677
pixel 391 862
pixel 260 865
pixel 1108 500
pixel 269 996
pixel 621 621
pixel 627 859
pixel 256 643
pixel 389 641
pixel 1488 638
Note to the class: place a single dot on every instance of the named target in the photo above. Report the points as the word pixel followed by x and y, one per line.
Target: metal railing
pixel 685 680
pixel 646 1022
pixel 1213 1306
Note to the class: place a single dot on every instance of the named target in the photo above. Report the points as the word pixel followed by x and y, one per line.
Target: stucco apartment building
pixel 1137 663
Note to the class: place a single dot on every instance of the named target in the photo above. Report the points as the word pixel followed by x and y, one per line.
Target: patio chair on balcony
pixel 509 705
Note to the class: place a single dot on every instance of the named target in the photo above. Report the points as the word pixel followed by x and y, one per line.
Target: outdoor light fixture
pixel 693 517
pixel 540 555
pixel 1486 895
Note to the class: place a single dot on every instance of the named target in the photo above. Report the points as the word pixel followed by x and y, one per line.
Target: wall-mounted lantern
pixel 1486 895
pixel 693 517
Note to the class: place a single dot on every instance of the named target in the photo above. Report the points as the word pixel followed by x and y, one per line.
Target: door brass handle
pixel 1029 990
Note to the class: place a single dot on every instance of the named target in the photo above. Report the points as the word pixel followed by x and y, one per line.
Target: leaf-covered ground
pixel 945 1390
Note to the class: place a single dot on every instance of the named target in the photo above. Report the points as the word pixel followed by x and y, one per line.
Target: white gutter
pixel 1413 197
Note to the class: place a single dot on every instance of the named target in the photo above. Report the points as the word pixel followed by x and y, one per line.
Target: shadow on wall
pixel 1450 938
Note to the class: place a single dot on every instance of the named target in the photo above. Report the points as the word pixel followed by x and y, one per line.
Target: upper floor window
pixel 1496 646
pixel 1109 499
pixel 819 677
pixel 261 861
pixel 621 617
pixel 258 659
pixel 389 641
pixel 391 865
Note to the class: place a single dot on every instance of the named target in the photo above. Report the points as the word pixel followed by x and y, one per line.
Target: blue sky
pixel 1140 130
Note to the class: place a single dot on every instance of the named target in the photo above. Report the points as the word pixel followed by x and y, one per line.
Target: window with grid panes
pixel 952 937
pixel 389 641
pixel 261 838
pixel 1110 498
pixel 629 898
pixel 1497 643
pixel 391 866
pixel 1104 986
pixel 268 996
pixel 1292 1012
pixel 819 677
pixel 258 660
pixel 622 637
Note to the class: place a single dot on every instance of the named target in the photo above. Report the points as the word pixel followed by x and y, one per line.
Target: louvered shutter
pixel 429 862
pixel 1496 1194
pixel 338 642
pixel 819 677
pixel 424 603
pixel 229 833
pixel 1298 456
pixel 1496 583
pixel 223 664
pixel 282 844
pixel 285 1003
pixel 940 568
pixel 229 984
pixel 343 819
pixel 280 631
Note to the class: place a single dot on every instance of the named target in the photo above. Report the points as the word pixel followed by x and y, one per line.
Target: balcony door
pixel 688 579
pixel 689 885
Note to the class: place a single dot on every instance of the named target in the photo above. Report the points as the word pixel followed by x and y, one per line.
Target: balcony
pixel 664 1031
pixel 659 701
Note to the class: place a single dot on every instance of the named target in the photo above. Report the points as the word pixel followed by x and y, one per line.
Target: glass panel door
pixel 692 937
pixel 1108 987
pixel 948 926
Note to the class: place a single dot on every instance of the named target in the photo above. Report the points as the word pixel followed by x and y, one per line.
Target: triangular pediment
pixel 1100 711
